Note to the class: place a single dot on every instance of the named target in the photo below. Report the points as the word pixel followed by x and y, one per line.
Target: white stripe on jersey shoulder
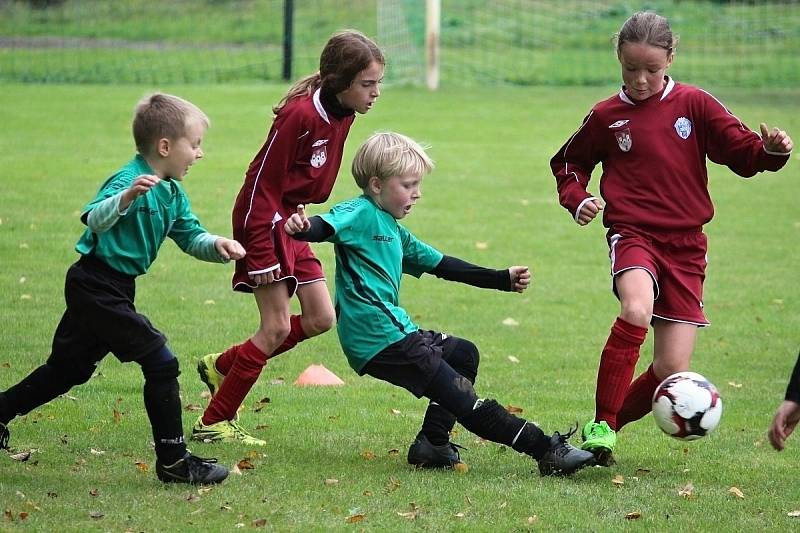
pixel 567 171
pixel 723 106
pixel 303 135
pixel 668 88
pixel 318 106
pixel 624 97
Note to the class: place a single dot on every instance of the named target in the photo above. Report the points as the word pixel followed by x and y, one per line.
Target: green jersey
pixel 131 243
pixel 373 251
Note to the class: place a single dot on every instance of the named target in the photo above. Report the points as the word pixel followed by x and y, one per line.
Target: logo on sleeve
pixel 684 127
pixel 624 139
pixel 318 153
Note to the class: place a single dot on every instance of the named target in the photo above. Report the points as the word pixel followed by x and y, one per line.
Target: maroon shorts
pixel 298 264
pixel 677 263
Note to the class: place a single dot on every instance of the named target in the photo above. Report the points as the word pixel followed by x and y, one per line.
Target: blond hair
pixel 648 28
pixel 346 53
pixel 158 116
pixel 389 154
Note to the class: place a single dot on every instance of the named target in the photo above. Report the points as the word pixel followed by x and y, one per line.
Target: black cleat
pixel 193 470
pixel 423 454
pixel 563 459
pixel 3 436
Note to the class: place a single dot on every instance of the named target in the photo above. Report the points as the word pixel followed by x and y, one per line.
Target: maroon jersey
pixel 297 164
pixel 654 157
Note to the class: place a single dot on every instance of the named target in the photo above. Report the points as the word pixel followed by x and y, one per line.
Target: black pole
pixel 288 37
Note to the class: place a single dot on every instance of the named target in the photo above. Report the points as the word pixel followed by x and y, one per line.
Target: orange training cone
pixel 317 375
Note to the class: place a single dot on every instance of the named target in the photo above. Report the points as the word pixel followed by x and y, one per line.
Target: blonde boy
pixel 378 336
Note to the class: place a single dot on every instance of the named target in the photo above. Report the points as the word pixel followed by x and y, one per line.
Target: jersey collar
pixel 667 89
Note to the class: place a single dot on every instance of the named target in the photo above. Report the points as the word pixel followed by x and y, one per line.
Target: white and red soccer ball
pixel 687 406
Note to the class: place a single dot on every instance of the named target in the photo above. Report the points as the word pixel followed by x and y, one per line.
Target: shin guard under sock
pixel 226 359
pixel 617 365
pixel 639 399
pixel 162 401
pixel 237 383
pixel 492 422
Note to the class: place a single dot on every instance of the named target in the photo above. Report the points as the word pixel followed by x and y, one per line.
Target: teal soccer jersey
pixel 130 246
pixel 372 252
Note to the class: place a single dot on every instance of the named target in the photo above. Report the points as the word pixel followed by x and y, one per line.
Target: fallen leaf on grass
pixel 96 452
pixel 393 452
pixel 793 514
pixel 94 492
pixel 687 491
pixel 633 516
pixel 510 322
pixel 368 455
pixel 394 411
pixel 393 485
pixel 143 467
pixel 245 464
pixel 618 480
pixel 513 359
pixel 412 514
pixel 331 481
pixel 735 385
pixel 461 468
pixel 193 407
pixel 117 416
pixel 192 498
pixel 533 519
pixel 481 245
pixel 736 492
pixel 460 515
pixel 642 471
pixel 259 522
pixel 96 514
pixel 513 409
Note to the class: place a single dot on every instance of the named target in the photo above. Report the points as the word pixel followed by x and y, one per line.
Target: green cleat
pixel 600 439
pixel 207 368
pixel 225 431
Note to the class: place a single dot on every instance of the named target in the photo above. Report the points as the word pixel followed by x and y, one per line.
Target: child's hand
pixel 140 186
pixel 776 140
pixel 229 249
pixel 298 222
pixel 589 210
pixel 520 278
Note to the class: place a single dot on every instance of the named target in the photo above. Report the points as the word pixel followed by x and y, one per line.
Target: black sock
pixel 492 422
pixel 437 424
pixel 163 404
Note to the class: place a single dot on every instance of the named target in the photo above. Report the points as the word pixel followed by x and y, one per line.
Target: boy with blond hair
pixel 134 211
pixel 378 336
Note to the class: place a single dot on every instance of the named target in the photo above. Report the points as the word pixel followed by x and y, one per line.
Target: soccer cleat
pixel 193 470
pixel 563 459
pixel 3 436
pixel 225 431
pixel 207 368
pixel 600 439
pixel 423 454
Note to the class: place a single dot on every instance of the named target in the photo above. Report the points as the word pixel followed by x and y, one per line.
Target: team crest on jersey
pixel 618 124
pixel 624 139
pixel 318 153
pixel 684 127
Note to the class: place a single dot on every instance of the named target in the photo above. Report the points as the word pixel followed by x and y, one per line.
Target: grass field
pixel 491 201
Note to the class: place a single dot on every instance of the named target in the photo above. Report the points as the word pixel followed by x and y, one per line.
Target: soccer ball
pixel 687 406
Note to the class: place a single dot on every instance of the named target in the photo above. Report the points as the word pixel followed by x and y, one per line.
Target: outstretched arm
pixel 788 414
pixel 515 278
pixel 302 228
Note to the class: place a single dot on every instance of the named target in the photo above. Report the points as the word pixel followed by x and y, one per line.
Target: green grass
pixel 492 185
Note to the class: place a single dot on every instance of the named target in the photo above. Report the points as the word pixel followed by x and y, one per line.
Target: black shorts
pixel 101 318
pixel 412 362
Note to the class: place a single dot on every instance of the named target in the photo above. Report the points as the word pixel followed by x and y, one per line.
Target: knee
pixel 637 312
pixel 162 370
pixel 75 374
pixel 274 331
pixel 469 359
pixel 318 323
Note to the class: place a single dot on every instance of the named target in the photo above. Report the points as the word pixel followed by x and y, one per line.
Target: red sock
pixel 617 364
pixel 237 383
pixel 296 335
pixel 225 361
pixel 639 399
